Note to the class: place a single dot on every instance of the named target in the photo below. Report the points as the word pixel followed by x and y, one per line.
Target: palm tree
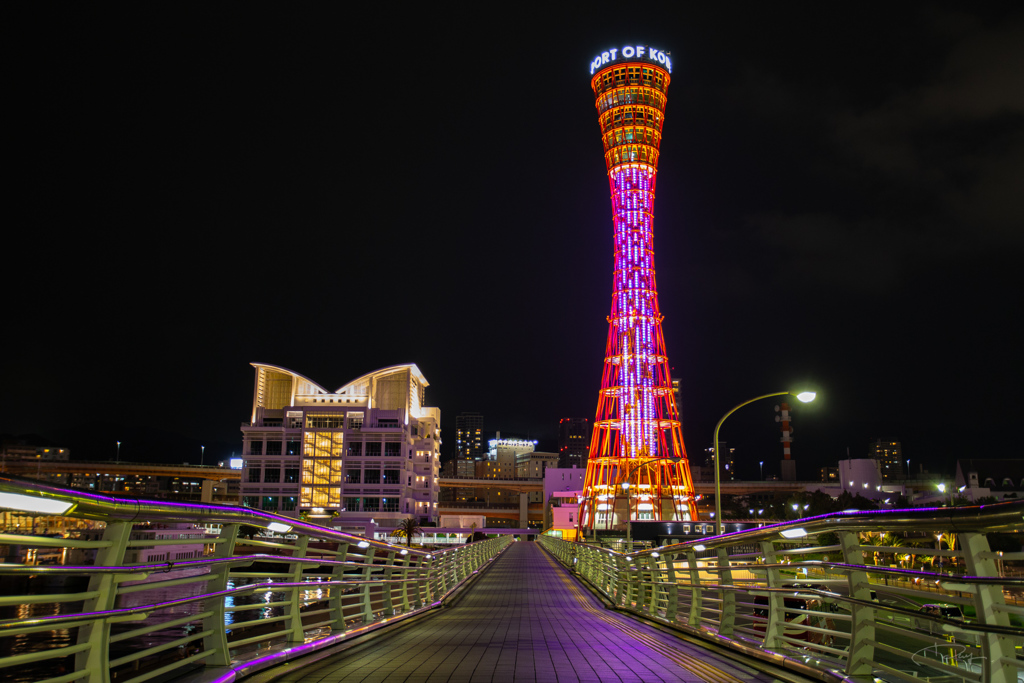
pixel 408 528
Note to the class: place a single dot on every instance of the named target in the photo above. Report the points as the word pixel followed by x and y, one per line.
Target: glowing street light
pixel 804 396
pixel 762 469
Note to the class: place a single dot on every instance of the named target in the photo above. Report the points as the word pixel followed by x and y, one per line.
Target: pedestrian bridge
pixel 816 599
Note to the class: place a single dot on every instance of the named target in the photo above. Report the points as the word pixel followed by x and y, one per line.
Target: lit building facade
pixel 889 454
pixel 573 442
pixel 637 437
pixel 370 449
pixel 469 436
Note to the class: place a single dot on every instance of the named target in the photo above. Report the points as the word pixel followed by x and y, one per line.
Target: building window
pixel 254 473
pixel 255 448
pixel 392 450
pixel 373 449
pixel 371 504
pixel 390 477
pixel 353 504
pixel 355 449
pixel 251 501
pixel 273 448
pixel 325 421
pixel 352 476
pixel 355 420
pixel 291 475
pixel 389 505
pixel 288 503
pixel 371 477
pixel 270 502
pixel 272 475
pixel 293 447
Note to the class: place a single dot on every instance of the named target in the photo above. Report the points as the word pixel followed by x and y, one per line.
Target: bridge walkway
pixel 525 619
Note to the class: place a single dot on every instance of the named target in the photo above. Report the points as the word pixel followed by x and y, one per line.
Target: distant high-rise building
pixel 573 442
pixel 728 471
pixel 889 454
pixel 469 436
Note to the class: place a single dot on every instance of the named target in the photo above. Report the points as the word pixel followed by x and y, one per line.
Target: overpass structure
pixel 31 468
pixel 813 598
pixel 733 488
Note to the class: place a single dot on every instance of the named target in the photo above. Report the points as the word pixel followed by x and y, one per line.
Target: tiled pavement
pixel 525 619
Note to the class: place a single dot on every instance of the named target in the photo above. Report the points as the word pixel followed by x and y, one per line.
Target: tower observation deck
pixel 637 468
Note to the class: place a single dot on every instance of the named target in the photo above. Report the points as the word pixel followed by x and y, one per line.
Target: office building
pixel 469 436
pixel 367 450
pixel 573 442
pixel 889 454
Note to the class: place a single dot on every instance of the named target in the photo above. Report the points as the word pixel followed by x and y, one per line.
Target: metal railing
pixel 232 611
pixel 821 596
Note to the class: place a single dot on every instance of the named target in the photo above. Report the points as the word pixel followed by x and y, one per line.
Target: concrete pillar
pixel 524 510
pixel 208 485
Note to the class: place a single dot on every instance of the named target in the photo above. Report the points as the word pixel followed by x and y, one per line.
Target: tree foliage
pixel 407 529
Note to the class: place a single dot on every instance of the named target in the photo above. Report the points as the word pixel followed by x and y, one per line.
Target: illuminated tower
pixel 637 459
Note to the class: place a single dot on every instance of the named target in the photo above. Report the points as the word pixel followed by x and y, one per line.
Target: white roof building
pixel 368 450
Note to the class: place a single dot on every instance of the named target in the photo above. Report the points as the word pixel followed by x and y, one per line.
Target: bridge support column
pixel 524 510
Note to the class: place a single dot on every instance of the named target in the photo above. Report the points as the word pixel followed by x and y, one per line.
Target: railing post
pixel 776 625
pixel 388 603
pixel 862 626
pixel 217 641
pixel 295 632
pixel 696 590
pixel 998 650
pixel 728 618
pixel 671 589
pixel 365 595
pixel 338 592
pixel 97 633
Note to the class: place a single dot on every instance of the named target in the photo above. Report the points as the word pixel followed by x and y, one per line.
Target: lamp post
pixel 202 455
pixel 629 496
pixel 118 452
pixel 762 469
pixel 805 397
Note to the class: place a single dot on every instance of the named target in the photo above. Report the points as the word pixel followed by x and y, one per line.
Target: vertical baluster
pixel 724 578
pixel 97 633
pixel 862 635
pixel 388 603
pixel 696 592
pixel 365 595
pixel 293 609
pixel 219 576
pixel 998 651
pixel 338 592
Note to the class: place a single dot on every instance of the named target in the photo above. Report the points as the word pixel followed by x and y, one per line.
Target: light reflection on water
pixel 35 642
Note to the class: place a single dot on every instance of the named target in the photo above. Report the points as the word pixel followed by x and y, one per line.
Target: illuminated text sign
pixel 648 54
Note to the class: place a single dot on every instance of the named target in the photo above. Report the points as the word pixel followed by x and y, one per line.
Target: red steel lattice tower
pixel 637 468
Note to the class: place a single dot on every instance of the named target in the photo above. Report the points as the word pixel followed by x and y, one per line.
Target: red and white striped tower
pixel 788 464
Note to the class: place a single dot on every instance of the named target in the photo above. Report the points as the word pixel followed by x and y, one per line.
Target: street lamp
pixel 805 397
pixel 762 469
pixel 118 452
pixel 202 455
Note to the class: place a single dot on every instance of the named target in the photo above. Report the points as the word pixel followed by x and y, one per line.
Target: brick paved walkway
pixel 524 620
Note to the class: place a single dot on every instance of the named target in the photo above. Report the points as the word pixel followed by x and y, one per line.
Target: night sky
pixel 839 206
